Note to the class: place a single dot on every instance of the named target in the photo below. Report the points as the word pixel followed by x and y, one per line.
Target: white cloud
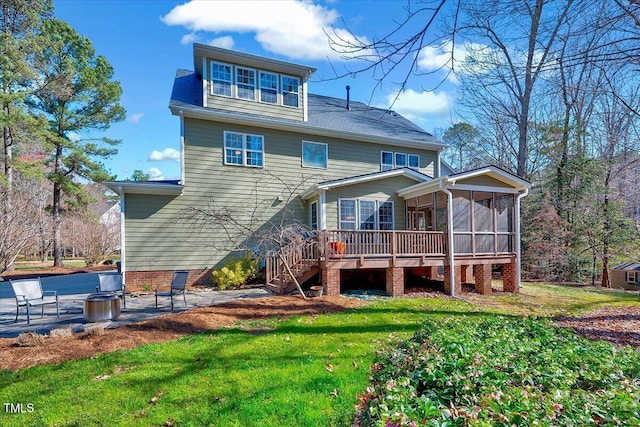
pixel 189 38
pixel 294 28
pixel 155 174
pixel 73 136
pixel 135 118
pixel 166 154
pixel 413 105
pixel 461 57
pixel 225 42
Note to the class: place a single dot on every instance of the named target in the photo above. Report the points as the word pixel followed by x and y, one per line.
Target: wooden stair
pixel 298 259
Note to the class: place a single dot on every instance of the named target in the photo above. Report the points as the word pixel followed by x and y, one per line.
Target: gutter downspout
pixel 123 261
pixel 452 273
pixel 182 172
pixel 518 250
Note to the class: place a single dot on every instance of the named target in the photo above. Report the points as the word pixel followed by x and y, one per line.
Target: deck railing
pixel 296 253
pixel 382 243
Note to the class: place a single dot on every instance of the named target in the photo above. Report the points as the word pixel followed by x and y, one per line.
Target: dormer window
pixel 220 79
pixel 268 87
pixel 290 90
pixel 246 80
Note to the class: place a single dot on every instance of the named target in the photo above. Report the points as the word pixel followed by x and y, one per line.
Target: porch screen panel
pixel 483 211
pixel 505 243
pixel 441 211
pixel 485 243
pixel 367 215
pixel 461 211
pixel 347 214
pixel 505 212
pixel 462 243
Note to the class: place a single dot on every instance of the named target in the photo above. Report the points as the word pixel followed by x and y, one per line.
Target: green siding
pixel 484 181
pixel 380 190
pixel 157 239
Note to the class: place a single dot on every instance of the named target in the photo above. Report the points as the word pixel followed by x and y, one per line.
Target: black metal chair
pixel 178 285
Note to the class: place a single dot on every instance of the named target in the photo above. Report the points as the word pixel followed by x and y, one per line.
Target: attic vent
pixel 348 97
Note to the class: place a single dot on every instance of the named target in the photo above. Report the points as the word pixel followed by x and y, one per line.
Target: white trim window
pixel 313 213
pixel 221 78
pixel 290 91
pixel 414 161
pixel 246 82
pixel 400 160
pixel 347 214
pixel 370 214
pixel 268 87
pixel 390 160
pixel 242 149
pixel 631 277
pixel 386 160
pixel 315 155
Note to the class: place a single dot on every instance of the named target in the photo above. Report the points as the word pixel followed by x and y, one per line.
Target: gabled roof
pixel 359 179
pixel 326 117
pixel 512 182
pixel 160 188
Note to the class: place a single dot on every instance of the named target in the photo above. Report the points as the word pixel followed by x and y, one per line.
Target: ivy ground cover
pixel 493 370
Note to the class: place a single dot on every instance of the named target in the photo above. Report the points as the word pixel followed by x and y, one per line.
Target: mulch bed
pixel 619 326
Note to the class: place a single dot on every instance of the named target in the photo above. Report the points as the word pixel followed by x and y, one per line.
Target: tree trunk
pixel 56 210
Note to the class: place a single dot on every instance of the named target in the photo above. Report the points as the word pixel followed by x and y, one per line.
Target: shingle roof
pixel 628 266
pixel 323 112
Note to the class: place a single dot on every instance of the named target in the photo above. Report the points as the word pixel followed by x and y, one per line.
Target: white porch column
pixel 323 210
pixel 517 242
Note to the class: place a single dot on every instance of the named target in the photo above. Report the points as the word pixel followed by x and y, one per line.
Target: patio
pixel 73 290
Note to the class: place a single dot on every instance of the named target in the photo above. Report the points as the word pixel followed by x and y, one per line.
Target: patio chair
pixel 178 285
pixel 29 293
pixel 110 282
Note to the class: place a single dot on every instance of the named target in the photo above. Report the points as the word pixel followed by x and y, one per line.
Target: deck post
pixel 395 281
pixel 510 278
pixel 450 288
pixel 482 275
pixel 331 281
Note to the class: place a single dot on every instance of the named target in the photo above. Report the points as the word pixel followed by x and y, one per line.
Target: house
pixel 626 276
pixel 256 144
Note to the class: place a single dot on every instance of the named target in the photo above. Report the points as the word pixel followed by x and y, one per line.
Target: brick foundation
pixel 139 281
pixel 395 281
pixel 482 274
pixel 509 278
pixel 331 281
pixel 464 274
pixel 447 281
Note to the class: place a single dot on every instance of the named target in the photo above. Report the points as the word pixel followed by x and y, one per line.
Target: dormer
pixel 241 82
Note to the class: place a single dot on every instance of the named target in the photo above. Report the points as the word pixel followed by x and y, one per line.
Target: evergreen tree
pixel 77 95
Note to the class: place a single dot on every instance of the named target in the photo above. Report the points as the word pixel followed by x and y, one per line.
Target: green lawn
pixel 303 371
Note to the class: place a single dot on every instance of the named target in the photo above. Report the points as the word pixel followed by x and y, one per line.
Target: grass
pixel 302 371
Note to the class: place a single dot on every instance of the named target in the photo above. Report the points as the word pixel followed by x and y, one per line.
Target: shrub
pixel 236 273
pixel 503 371
pixel 60 333
pixel 30 339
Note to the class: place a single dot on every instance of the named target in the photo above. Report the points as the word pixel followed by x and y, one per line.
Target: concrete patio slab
pixel 74 290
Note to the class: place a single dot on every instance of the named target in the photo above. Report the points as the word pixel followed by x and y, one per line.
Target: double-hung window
pixel 246 81
pixel 314 215
pixel 243 149
pixel 290 91
pixel 268 87
pixel 356 214
pixel 631 277
pixel 386 160
pixel 414 161
pixel 220 79
pixel 400 160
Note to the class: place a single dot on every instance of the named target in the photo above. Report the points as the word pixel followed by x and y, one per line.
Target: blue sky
pixel 147 41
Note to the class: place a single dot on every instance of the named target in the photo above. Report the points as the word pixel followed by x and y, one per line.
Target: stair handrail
pixel 293 254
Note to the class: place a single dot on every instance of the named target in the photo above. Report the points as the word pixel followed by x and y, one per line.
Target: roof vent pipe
pixel 348 89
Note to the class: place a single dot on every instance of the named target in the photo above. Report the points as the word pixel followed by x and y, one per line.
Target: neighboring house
pixel 626 276
pixel 255 143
